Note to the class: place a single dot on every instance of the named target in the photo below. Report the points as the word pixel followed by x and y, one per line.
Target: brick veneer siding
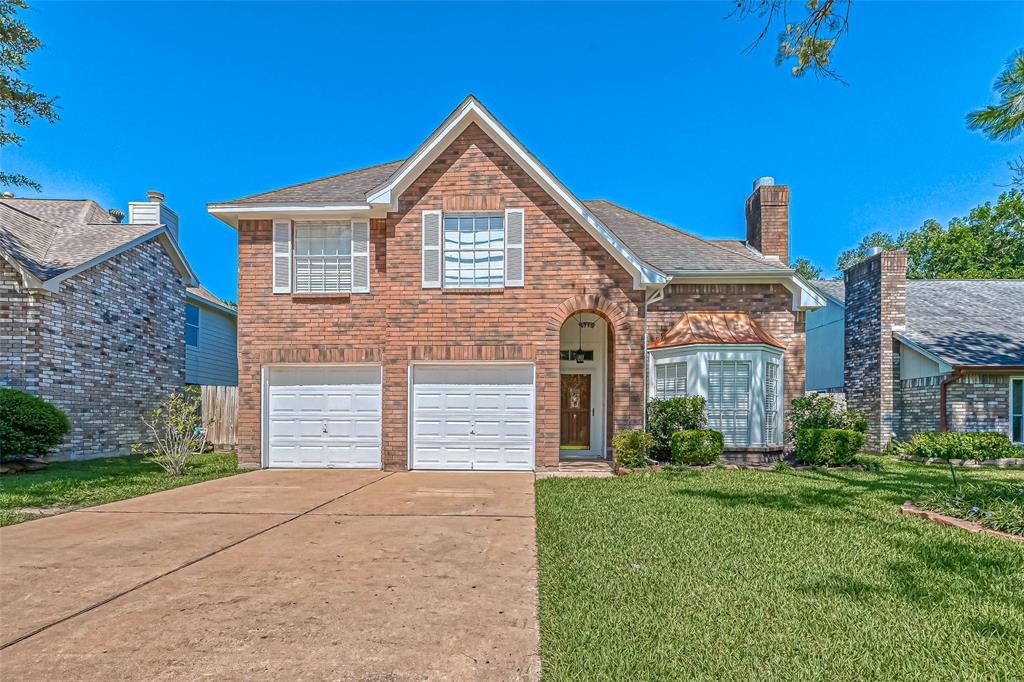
pixel 768 304
pixel 399 322
pixel 974 402
pixel 108 346
pixel 876 304
pixel 767 211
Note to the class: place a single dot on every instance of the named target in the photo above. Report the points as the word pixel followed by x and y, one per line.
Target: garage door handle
pixel 324 427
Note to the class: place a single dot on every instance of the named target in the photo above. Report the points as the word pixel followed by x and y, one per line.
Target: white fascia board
pixel 805 297
pixel 27 278
pixel 472 111
pixel 230 214
pixel 210 304
pixel 53 284
pixel 943 365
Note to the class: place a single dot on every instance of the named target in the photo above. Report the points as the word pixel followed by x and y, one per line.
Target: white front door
pixel 475 416
pixel 324 416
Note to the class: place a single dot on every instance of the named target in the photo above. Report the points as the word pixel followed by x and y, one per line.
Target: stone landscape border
pixel 911 509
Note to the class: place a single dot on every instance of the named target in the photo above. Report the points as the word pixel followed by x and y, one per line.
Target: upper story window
pixel 323 256
pixel 191 325
pixel 474 251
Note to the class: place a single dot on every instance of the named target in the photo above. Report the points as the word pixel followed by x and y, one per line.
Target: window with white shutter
pixel 282 238
pixel 323 256
pixel 431 249
pixel 729 400
pixel 515 233
pixel 670 380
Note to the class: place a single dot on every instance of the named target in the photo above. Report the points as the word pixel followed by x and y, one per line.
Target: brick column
pixel 876 306
pixel 767 210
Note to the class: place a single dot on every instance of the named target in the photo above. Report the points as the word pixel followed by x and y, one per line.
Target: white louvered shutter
pixel 282 238
pixel 432 249
pixel 515 233
pixel 729 400
pixel 360 256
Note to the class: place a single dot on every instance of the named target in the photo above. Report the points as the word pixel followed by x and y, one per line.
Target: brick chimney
pixel 876 306
pixel 768 218
pixel 153 211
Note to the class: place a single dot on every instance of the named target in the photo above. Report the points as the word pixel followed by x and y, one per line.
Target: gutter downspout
pixel 952 378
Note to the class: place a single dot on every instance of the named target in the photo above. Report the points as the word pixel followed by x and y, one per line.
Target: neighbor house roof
pixel 201 293
pixel 713 327
pixel 963 323
pixel 832 287
pixel 52 238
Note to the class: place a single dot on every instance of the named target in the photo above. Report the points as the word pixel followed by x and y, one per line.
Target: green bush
pixel 869 462
pixel 632 448
pixel 834 447
pixel 817 411
pixel 29 425
pixel 665 417
pixel 947 445
pixel 699 446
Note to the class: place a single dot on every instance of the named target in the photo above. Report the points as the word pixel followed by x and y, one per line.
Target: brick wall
pixel 768 305
pixel 108 346
pixel 918 406
pixel 974 402
pixel 399 321
pixel 767 211
pixel 876 304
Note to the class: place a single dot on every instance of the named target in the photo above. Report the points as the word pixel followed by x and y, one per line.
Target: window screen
pixel 474 251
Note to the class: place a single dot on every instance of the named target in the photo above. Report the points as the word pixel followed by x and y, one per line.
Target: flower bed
pixel 999 506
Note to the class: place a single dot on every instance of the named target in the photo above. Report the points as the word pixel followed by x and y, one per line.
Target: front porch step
pixel 579 468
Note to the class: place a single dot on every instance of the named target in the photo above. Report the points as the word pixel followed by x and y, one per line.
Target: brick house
pixel 462 309
pixel 92 313
pixel 921 355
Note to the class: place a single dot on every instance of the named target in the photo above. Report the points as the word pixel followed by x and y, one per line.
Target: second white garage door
pixel 324 416
pixel 473 417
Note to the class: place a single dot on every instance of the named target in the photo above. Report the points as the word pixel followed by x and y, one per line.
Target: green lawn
pixel 764 575
pixel 96 481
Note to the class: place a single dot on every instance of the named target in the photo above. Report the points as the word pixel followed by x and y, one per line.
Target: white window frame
pixel 188 324
pixel 1011 407
pixel 345 224
pixel 678 369
pixel 503 250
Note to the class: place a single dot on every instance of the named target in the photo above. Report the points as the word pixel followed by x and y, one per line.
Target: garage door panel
pixel 324 417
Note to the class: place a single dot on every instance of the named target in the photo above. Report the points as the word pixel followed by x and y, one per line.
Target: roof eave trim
pixel 805 296
pixel 230 214
pixel 471 111
pixel 205 301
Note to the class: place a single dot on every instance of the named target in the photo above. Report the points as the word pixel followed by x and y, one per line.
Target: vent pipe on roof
pixel 874 251
pixel 153 195
pixel 8 195
pixel 764 181
pixel 116 215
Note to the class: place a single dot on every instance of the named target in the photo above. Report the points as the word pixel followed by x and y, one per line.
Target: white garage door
pixel 324 416
pixel 473 417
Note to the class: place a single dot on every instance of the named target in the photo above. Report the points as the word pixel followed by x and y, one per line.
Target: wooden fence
pixel 220 416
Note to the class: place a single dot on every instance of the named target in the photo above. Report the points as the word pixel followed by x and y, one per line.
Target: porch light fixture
pixel 580 355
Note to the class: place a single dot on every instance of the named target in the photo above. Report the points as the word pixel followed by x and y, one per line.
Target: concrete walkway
pixel 299 575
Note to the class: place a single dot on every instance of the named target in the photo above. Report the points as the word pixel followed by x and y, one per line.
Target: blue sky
pixel 653 106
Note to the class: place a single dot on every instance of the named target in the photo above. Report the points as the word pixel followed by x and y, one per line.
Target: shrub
pixel 999 506
pixel 29 425
pixel 834 447
pixel 632 448
pixel 665 417
pixel 699 446
pixel 176 427
pixel 817 411
pixel 781 465
pixel 869 462
pixel 947 445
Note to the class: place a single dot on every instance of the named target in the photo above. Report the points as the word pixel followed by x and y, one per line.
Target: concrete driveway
pixel 300 575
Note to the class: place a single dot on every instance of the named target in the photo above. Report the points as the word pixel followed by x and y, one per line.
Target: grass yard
pixel 97 481
pixel 788 575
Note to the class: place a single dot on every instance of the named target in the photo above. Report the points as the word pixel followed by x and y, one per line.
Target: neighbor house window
pixel 474 251
pixel 323 256
pixel 1017 410
pixel 670 380
pixel 191 325
pixel 729 400
pixel 771 402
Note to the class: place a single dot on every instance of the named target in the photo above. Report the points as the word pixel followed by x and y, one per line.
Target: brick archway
pixel 612 312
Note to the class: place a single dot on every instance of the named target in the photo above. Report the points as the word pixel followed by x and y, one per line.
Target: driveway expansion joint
pixel 185 565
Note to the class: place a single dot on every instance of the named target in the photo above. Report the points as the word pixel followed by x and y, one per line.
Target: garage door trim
pixel 265 371
pixel 410 387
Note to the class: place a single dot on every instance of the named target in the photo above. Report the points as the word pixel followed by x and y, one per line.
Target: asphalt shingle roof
pixel 964 322
pixel 205 294
pixel 352 186
pixel 833 287
pixel 51 236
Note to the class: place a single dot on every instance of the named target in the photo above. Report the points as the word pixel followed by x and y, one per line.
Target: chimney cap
pixel 764 181
pixel 874 251
pixel 116 215
pixel 156 196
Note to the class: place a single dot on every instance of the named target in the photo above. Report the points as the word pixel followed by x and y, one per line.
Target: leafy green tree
pixel 1004 121
pixel 19 103
pixel 986 244
pixel 806 269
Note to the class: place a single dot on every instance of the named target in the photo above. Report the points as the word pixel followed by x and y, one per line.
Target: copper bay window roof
pixel 715 328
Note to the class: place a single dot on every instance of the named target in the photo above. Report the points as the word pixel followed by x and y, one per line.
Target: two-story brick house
pixel 462 309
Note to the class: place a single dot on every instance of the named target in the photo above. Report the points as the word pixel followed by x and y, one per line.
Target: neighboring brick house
pixel 462 309
pixel 914 346
pixel 92 314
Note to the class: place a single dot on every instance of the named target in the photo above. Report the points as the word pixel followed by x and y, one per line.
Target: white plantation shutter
pixel 282 238
pixel 360 256
pixel 771 403
pixel 729 400
pixel 431 249
pixel 514 237
pixel 670 380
